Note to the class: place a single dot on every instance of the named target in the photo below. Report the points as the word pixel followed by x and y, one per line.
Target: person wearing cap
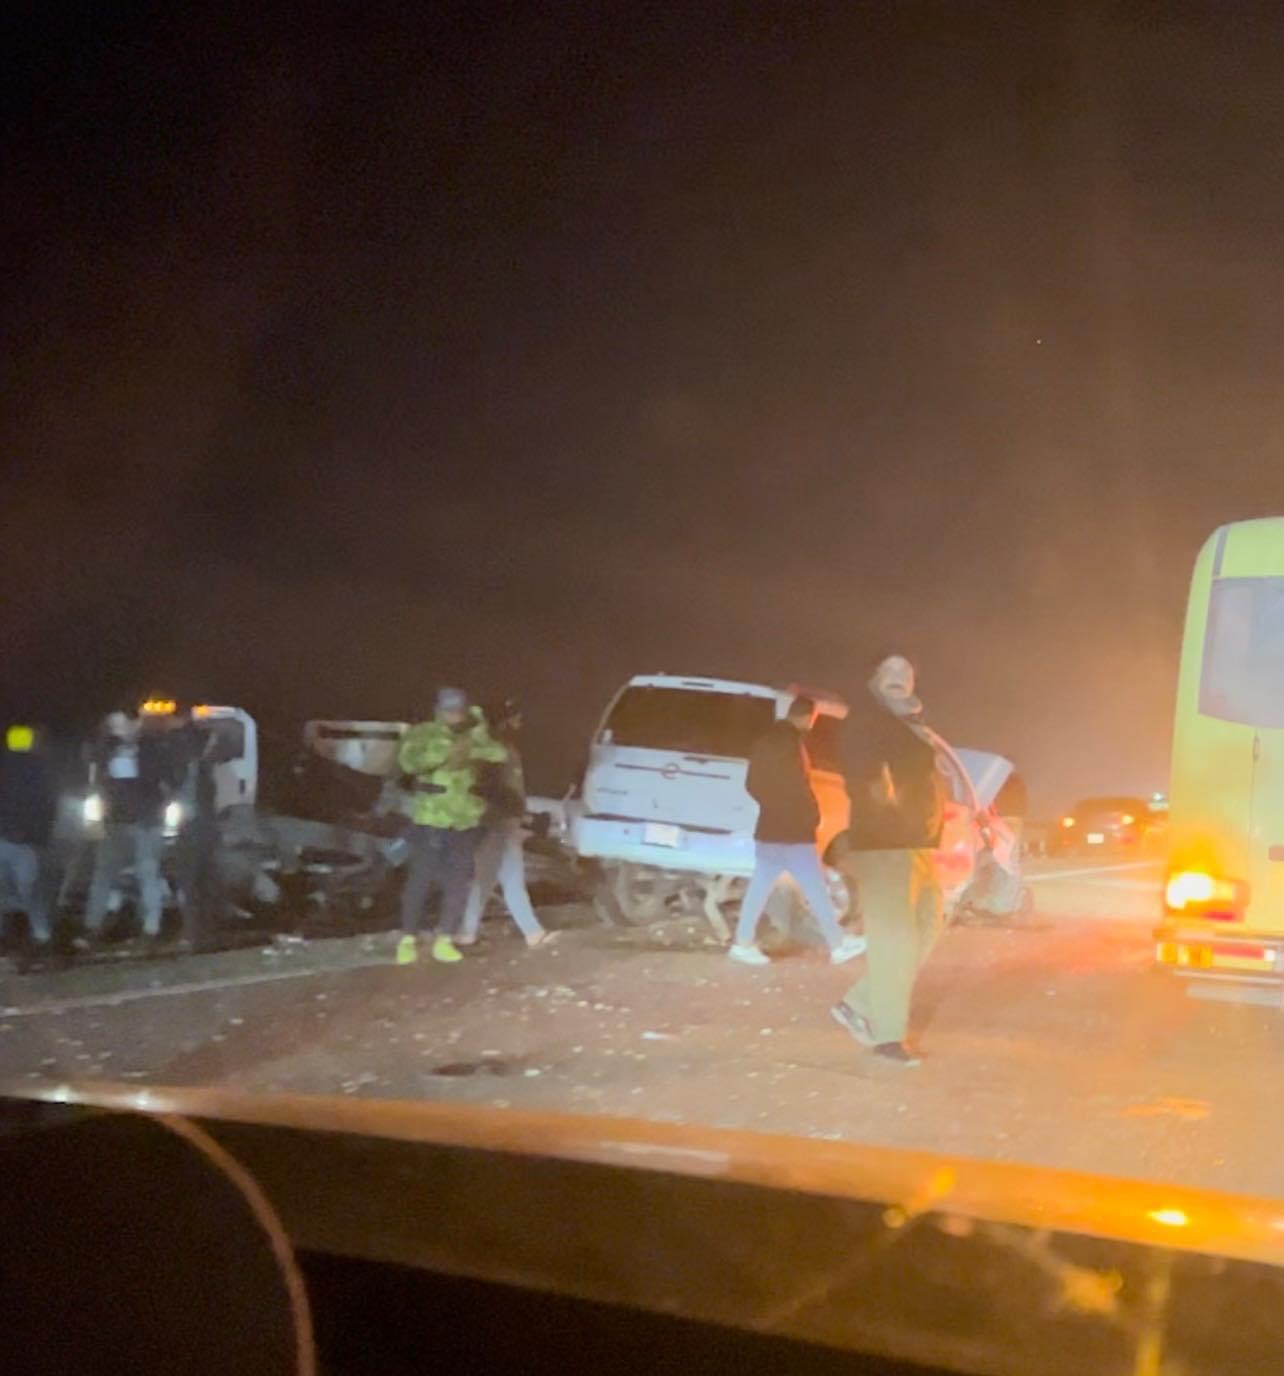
pixel 779 781
pixel 898 810
pixel 501 857
pixel 443 757
pixel 28 806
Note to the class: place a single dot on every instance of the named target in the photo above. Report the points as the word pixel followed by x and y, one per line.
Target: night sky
pixel 353 350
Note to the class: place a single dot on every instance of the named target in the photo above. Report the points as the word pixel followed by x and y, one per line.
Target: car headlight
pixel 92 810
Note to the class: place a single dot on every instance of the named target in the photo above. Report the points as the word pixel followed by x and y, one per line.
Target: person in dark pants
pixel 200 874
pixel 898 803
pixel 443 757
pixel 28 805
pixel 135 769
pixel 785 837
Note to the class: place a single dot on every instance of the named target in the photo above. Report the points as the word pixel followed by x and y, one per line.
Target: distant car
pixel 1107 825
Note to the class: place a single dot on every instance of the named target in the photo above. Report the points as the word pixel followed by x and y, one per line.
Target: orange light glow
pixel 159 707
pixel 1127 819
pixel 1169 1218
pixel 1067 821
pixel 1191 886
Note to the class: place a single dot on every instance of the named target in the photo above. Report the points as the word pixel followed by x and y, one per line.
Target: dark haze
pixel 353 349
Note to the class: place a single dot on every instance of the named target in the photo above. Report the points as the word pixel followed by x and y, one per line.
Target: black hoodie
pixel 876 742
pixel 28 799
pixel 779 782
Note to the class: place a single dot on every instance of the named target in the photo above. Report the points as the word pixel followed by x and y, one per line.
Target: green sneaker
pixel 445 950
pixel 407 951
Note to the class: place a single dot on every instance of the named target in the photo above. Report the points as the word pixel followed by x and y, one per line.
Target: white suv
pixel 663 797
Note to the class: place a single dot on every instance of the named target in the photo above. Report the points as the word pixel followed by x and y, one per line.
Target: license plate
pixel 661 834
pixel 1096 838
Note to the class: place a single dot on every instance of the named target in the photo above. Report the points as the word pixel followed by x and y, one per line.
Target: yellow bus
pixel 1224 888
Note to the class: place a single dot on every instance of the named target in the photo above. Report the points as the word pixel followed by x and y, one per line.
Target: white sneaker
pixel 748 955
pixel 847 949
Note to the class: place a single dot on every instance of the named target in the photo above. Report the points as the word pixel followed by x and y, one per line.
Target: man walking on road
pixel 897 814
pixel 500 855
pixel 785 837
pixel 28 805
pixel 443 756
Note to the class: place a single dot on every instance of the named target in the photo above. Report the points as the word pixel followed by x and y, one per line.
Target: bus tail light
pixel 1204 895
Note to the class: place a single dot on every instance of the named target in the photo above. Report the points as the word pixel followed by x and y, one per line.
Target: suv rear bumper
pixel 698 852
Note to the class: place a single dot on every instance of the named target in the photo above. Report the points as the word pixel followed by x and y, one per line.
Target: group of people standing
pixel 468 810
pixel 469 802
pixel 138 765
pixel 468 807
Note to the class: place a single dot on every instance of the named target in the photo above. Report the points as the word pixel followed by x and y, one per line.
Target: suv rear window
pixel 1243 675
pixel 697 723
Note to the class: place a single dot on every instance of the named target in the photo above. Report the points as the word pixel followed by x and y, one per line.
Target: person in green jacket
pixel 444 757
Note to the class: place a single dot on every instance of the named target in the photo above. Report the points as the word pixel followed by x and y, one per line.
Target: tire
pixel 787 910
pixel 630 895
pixel 840 893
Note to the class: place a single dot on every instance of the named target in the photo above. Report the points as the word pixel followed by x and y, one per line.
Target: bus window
pixel 1243 671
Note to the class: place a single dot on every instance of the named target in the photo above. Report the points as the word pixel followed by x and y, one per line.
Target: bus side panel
pixel 1266 908
pixel 1212 766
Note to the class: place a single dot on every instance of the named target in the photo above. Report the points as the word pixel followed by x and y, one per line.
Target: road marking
pixel 1092 869
pixel 1235 991
pixel 202 986
pixel 1132 885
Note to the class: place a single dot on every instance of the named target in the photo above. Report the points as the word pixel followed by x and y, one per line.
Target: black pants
pixel 439 859
pixel 202 884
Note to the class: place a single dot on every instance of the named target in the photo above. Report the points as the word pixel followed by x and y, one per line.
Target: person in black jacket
pixel 203 895
pixel 785 836
pixel 28 805
pixel 137 769
pixel 898 802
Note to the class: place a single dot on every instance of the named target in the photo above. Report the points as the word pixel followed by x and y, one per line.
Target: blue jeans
pixel 439 859
pixel 773 861
pixel 20 872
pixel 501 860
pixel 125 844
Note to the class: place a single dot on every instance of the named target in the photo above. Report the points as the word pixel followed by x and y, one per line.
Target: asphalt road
pixel 1052 1041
